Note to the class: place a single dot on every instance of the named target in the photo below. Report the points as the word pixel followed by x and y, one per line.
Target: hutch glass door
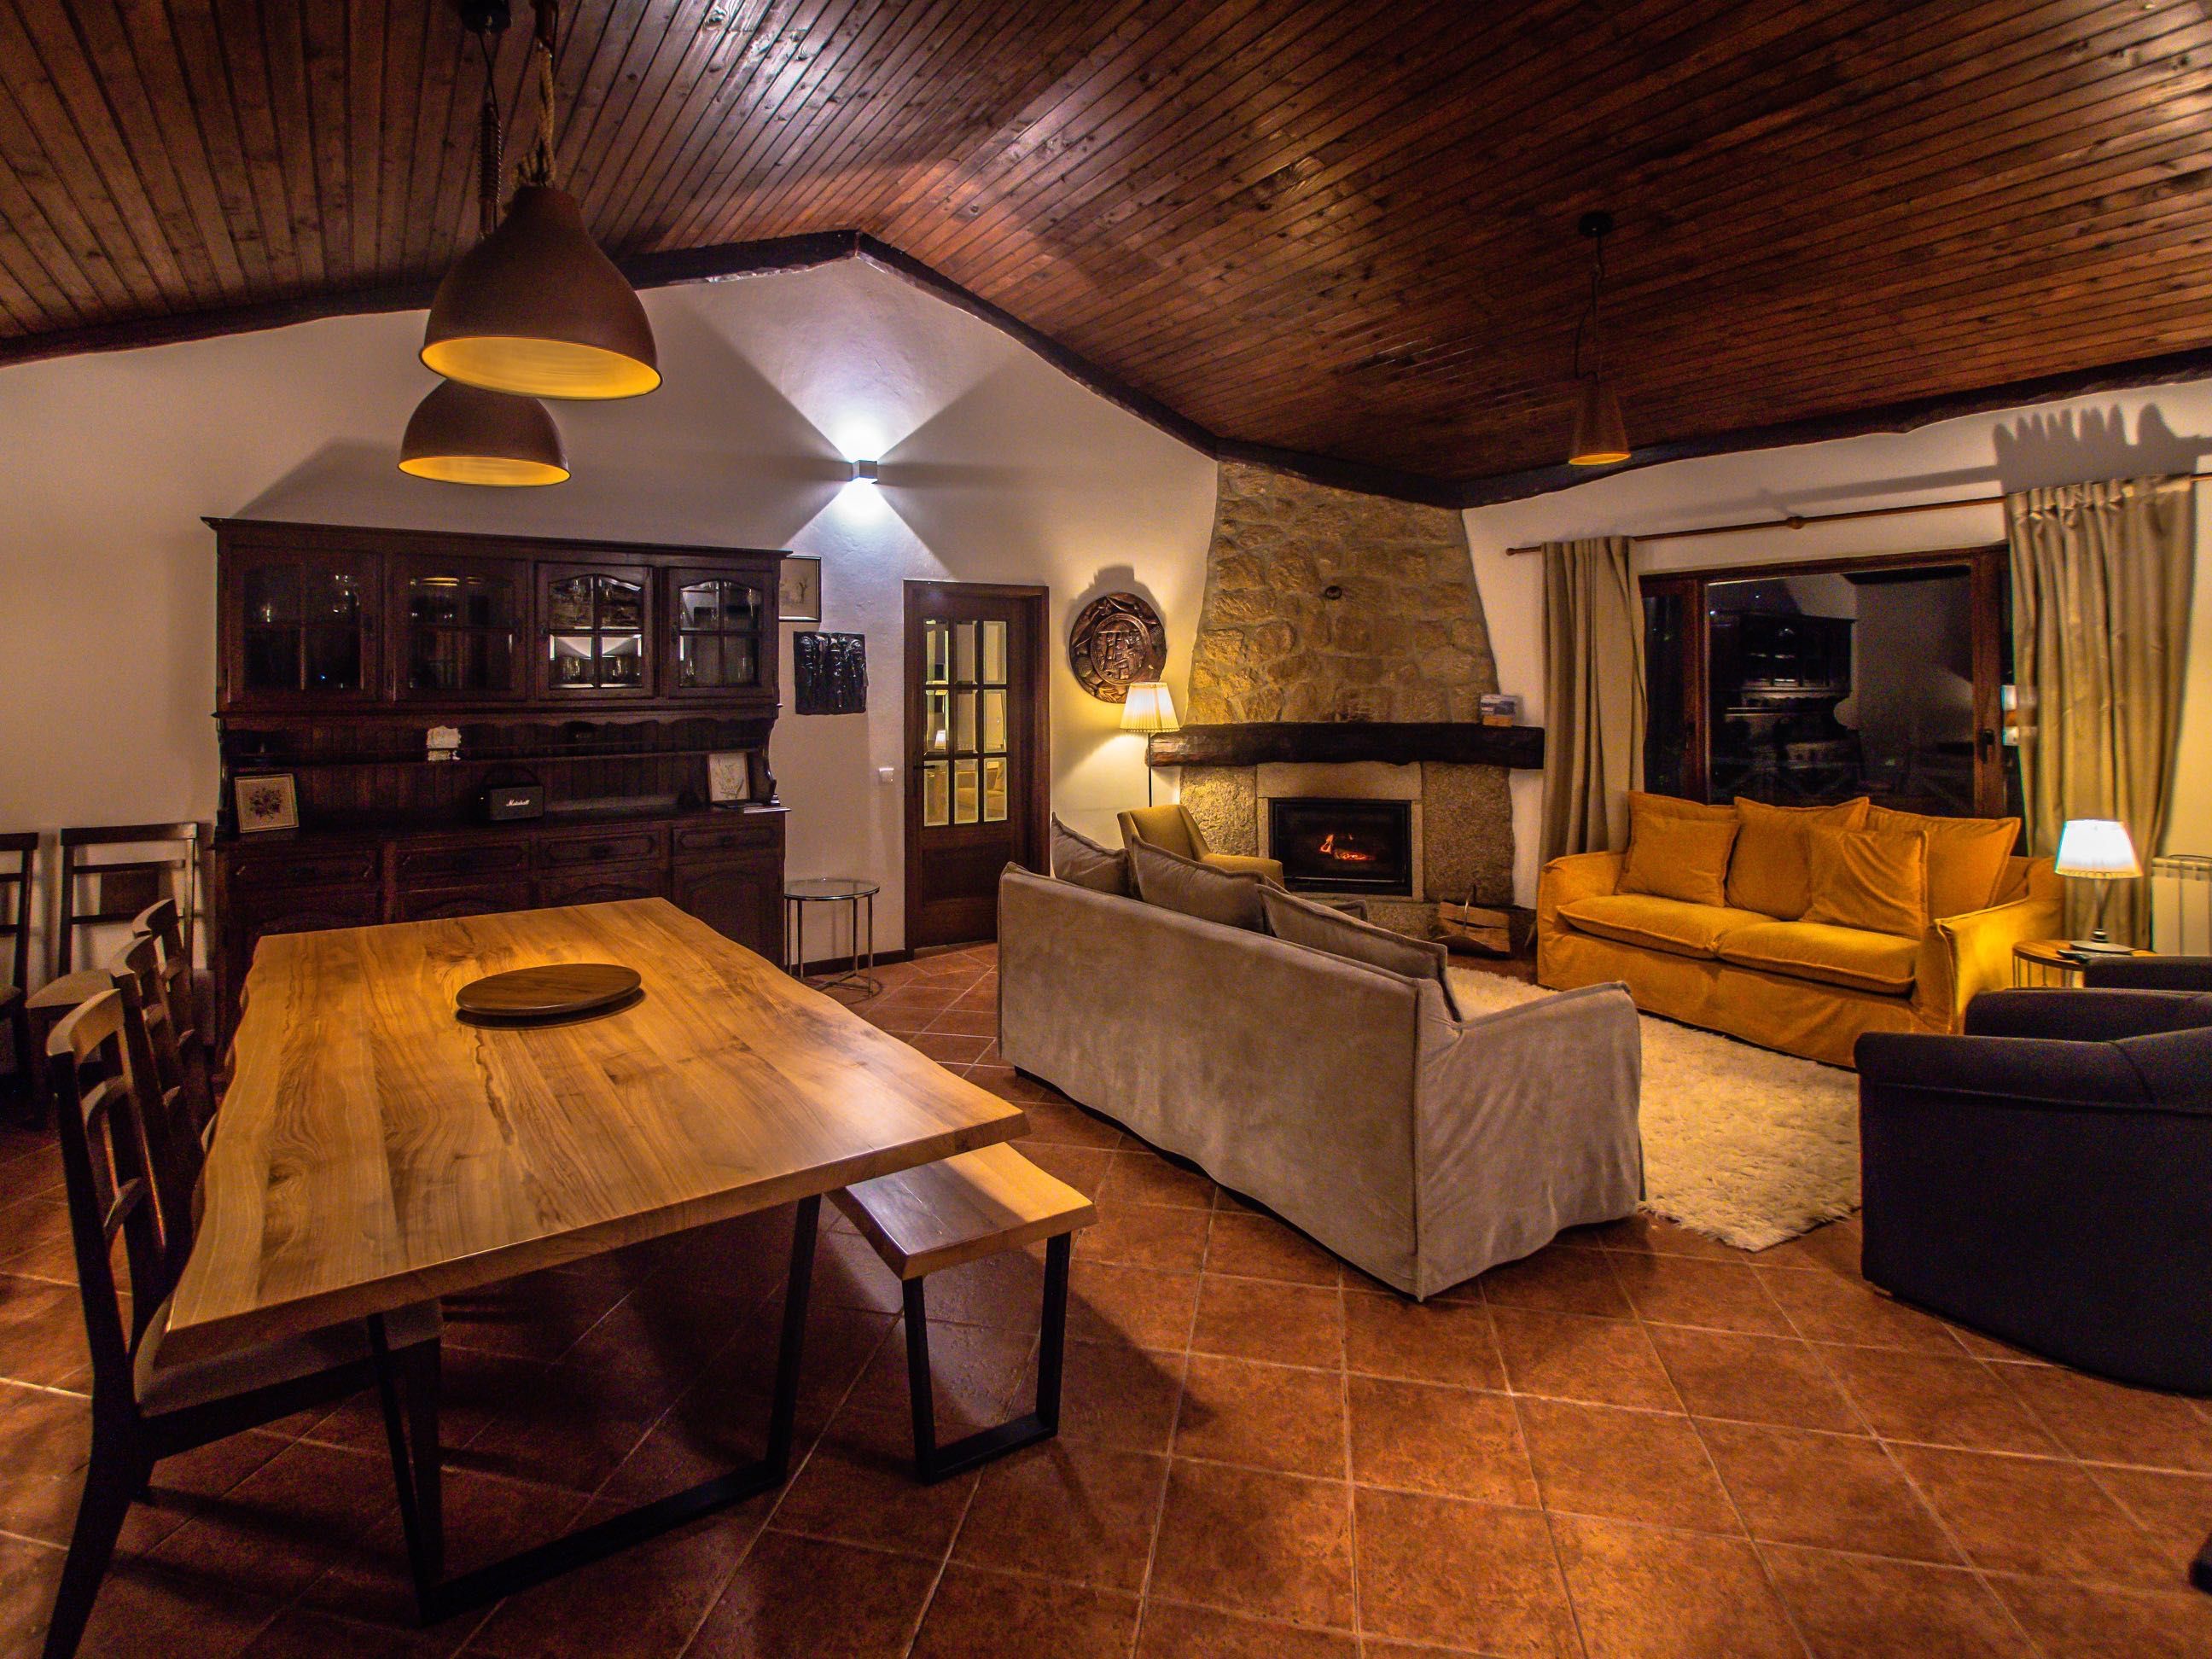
pixel 306 628
pixel 594 625
pixel 463 626
pixel 720 638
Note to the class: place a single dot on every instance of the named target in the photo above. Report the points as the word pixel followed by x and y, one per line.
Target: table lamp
pixel 1149 709
pixel 2099 850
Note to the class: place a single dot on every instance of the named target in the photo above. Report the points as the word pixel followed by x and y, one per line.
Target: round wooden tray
pixel 567 990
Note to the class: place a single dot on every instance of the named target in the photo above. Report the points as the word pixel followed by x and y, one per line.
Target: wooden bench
pixel 958 1210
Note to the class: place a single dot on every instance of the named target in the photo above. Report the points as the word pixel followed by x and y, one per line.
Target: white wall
pixel 996 468
pixel 2165 430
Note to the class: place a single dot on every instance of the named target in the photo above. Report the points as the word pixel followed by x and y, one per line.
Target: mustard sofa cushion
pixel 1674 854
pixel 1658 924
pixel 1876 879
pixel 1832 955
pixel 1771 869
pixel 1968 859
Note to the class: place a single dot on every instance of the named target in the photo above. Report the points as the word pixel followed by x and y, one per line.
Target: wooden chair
pixel 100 892
pixel 186 1049
pixel 124 1160
pixel 17 884
pixel 962 1209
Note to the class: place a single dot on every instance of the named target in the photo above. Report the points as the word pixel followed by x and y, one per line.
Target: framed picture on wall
pixel 799 593
pixel 268 801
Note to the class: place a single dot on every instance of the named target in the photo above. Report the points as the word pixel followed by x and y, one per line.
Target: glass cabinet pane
pixel 272 594
pixel 995 722
pixel 965 792
pixel 964 722
pixel 964 653
pixel 717 633
pixel 995 790
pixel 596 638
pixel 994 654
pixel 936 794
pixel 301 627
pixel 936 653
pixel 461 634
pixel 936 722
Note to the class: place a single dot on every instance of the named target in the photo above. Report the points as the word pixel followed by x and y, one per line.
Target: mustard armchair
pixel 1172 829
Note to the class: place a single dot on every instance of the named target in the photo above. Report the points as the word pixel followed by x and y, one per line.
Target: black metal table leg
pixel 933 1463
pixel 2200 1573
pixel 442 1599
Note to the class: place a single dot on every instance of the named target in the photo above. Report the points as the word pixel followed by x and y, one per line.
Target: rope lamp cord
pixel 537 168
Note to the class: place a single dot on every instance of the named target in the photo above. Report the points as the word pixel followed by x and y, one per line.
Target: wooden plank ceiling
pixel 1345 229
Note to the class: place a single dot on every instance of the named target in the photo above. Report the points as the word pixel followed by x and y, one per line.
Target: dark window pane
pixel 272 593
pixel 272 658
pixel 333 657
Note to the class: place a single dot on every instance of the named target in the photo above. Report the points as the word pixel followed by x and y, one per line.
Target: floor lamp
pixel 1149 709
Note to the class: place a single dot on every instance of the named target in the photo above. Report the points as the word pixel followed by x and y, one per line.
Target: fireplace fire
pixel 1331 846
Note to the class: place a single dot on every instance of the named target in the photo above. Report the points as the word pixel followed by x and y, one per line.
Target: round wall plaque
pixel 1117 639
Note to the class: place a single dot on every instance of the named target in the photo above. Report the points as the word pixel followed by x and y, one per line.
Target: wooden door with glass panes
pixel 976 752
pixel 594 624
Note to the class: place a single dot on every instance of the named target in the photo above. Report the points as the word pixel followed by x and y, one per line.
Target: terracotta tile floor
pixel 1637 1442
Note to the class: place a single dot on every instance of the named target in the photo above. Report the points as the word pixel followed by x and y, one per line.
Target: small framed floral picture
pixel 730 777
pixel 799 593
pixel 268 801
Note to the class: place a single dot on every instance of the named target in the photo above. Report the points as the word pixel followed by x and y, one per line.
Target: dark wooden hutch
pixel 605 673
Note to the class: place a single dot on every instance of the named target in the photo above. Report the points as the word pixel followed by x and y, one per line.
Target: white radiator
pixel 2181 905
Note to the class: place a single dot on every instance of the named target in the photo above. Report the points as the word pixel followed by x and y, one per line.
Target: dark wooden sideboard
pixel 603 673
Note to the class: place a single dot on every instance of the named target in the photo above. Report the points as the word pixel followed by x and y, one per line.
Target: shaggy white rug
pixel 1741 1144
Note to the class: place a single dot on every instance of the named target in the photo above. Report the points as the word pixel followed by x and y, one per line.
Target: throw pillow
pixel 1678 853
pixel 1965 857
pixel 1769 872
pixel 1302 921
pixel 1872 879
pixel 1077 859
pixel 1197 890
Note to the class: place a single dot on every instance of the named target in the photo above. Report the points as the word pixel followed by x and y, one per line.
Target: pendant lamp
pixel 1600 435
pixel 536 308
pixel 463 434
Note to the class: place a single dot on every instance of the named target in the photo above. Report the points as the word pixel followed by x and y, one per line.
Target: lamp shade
pixel 463 434
pixel 1148 707
pixel 537 309
pixel 1601 436
pixel 2096 849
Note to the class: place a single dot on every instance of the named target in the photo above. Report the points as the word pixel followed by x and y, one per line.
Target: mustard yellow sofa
pixel 1807 989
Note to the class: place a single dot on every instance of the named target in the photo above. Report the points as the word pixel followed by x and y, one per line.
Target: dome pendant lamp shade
pixel 536 309
pixel 463 434
pixel 1600 435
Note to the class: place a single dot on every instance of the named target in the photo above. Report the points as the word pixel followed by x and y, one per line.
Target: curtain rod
pixel 1799 521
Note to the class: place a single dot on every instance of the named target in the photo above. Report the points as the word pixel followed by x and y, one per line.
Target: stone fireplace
pixel 1326 605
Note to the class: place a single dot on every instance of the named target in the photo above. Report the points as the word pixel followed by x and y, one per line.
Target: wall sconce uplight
pixel 865 472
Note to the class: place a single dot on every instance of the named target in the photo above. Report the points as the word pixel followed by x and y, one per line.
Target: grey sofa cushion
pixel 1318 926
pixel 1197 890
pixel 1078 859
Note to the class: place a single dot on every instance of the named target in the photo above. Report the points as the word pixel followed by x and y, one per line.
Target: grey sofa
pixel 1348 1099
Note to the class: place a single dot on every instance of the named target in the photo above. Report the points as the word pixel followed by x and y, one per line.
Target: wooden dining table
pixel 375 1148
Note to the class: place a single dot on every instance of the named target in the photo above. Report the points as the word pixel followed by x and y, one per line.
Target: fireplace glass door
pixel 1329 846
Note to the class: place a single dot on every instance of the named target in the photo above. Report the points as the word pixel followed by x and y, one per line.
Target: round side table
pixel 859 898
pixel 2045 962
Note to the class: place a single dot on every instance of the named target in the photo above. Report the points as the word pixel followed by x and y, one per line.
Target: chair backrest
pixel 166 1093
pixel 120 888
pixel 1170 828
pixel 107 1171
pixel 163 923
pixel 19 860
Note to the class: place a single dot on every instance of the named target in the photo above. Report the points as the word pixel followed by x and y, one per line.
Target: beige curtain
pixel 2100 580
pixel 1594 694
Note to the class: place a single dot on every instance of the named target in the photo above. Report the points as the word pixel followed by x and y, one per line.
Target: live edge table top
pixel 373 1150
